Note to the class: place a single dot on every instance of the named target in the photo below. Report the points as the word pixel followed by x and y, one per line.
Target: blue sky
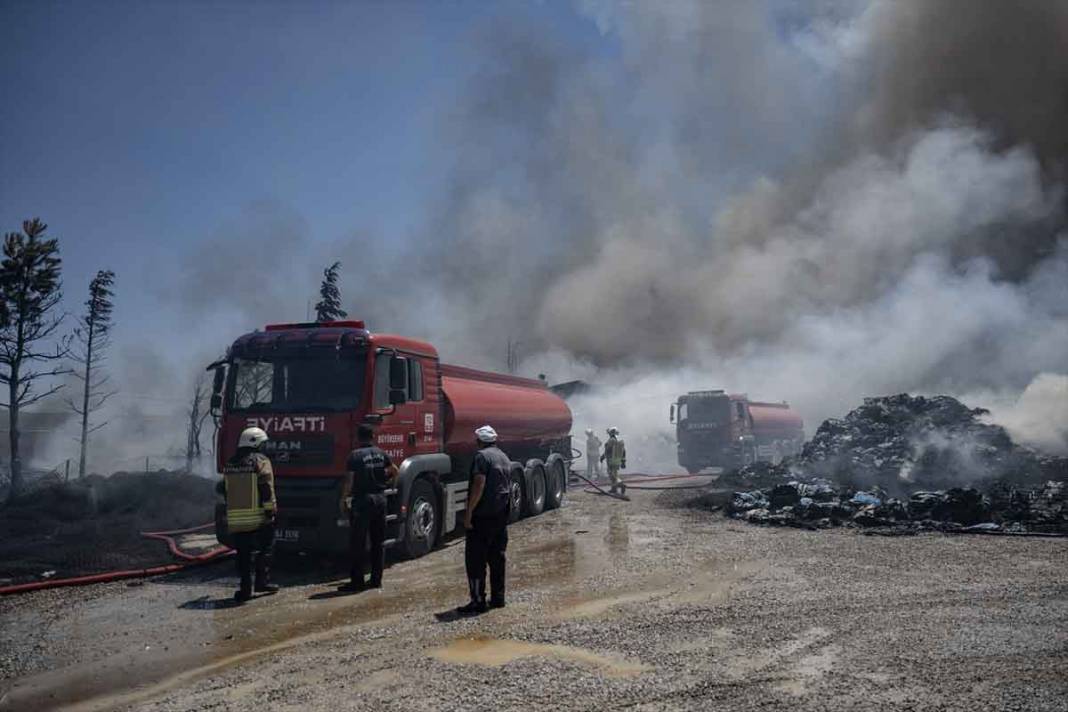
pixel 138 129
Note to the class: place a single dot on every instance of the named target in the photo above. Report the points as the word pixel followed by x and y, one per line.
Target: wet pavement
pixel 643 604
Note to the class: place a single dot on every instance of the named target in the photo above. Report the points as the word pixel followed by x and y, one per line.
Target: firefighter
pixel 248 485
pixel 593 448
pixel 372 474
pixel 486 523
pixel 615 458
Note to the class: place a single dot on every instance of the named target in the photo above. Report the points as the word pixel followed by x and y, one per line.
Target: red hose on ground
pixel 190 561
pixel 173 545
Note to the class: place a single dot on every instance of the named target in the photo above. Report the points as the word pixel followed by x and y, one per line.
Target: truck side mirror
pixel 219 379
pixel 671 418
pixel 397 396
pixel 398 373
pixel 218 382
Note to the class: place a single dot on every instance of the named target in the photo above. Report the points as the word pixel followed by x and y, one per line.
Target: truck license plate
pixel 288 535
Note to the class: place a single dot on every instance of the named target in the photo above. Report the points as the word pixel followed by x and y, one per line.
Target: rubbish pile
pixel 818 504
pixel 898 441
pixel 908 463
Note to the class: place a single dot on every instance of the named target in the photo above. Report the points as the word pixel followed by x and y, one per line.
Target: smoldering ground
pixel 810 201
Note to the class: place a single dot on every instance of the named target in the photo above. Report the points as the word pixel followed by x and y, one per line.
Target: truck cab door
pixel 390 402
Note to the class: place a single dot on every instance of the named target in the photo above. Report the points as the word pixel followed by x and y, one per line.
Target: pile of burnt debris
pixel 903 464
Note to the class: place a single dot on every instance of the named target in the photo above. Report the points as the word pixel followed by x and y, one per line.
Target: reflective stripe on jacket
pixel 244 478
pixel 615 453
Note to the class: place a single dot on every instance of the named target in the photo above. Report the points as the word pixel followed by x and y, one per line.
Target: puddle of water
pixel 492 652
pixel 192 638
pixel 714 586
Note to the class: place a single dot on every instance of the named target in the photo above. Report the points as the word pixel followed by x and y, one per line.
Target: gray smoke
pixel 814 200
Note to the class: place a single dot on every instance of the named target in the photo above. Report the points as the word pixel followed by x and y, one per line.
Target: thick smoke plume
pixel 811 201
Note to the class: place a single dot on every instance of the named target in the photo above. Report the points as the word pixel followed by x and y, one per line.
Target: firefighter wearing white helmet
pixel 615 458
pixel 248 485
pixel 593 449
pixel 489 498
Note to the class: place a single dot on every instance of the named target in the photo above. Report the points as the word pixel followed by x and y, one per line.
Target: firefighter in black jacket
pixel 248 485
pixel 486 523
pixel 372 474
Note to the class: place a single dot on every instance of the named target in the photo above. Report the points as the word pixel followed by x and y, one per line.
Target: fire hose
pixel 576 454
pixel 189 560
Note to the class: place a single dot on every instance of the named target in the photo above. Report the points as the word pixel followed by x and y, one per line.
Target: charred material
pixel 908 463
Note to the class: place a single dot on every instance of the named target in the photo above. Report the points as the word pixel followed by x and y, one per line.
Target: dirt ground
pixel 646 605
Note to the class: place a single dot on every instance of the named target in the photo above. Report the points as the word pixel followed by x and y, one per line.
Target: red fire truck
pixel 716 429
pixel 310 385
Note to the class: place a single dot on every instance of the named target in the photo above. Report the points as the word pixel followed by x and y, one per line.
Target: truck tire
pixel 556 478
pixel 535 499
pixel 516 477
pixel 421 525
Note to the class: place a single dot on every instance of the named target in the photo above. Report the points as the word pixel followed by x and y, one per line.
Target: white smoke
pixel 814 201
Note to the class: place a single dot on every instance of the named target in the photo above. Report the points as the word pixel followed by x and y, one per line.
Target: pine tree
pixel 328 308
pixel 30 290
pixel 94 337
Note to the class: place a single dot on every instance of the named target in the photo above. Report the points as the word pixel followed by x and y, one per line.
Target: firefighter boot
pixel 263 575
pixel 245 592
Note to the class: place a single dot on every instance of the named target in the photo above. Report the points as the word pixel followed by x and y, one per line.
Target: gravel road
pixel 646 605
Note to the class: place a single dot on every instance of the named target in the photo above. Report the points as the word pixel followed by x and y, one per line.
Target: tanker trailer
pixel 717 429
pixel 309 385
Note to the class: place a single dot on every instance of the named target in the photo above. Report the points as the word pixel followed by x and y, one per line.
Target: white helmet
pixel 589 432
pixel 486 434
pixel 613 431
pixel 252 437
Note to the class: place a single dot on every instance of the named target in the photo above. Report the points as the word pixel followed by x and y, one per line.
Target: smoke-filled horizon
pixel 814 201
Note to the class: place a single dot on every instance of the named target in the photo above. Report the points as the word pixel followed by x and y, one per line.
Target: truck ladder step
pixel 389 492
pixel 389 542
pixel 391 517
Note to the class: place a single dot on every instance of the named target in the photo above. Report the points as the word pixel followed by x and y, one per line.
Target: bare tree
pixel 328 308
pixel 30 349
pixel 197 414
pixel 93 339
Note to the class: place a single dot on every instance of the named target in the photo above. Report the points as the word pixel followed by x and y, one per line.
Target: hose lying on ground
pixel 649 478
pixel 190 560
pixel 168 537
pixel 595 486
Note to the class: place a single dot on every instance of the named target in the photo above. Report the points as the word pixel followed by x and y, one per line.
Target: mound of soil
pixel 94 525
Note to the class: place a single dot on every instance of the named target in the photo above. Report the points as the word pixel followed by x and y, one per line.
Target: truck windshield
pixel 303 382
pixel 709 410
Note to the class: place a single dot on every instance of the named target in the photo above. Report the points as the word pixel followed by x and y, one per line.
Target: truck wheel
pixel 421 531
pixel 516 481
pixel 554 485
pixel 535 500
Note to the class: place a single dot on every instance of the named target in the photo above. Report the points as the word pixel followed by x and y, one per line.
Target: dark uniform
pixel 250 514
pixel 487 539
pixel 370 480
